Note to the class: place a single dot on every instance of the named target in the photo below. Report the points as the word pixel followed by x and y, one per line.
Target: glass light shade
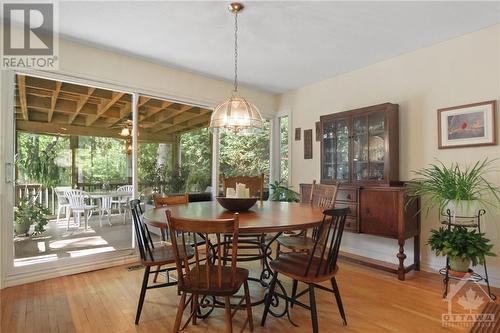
pixel 236 113
pixel 125 131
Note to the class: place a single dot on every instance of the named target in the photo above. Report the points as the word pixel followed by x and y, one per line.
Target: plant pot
pixel 463 210
pixel 459 265
pixel 22 228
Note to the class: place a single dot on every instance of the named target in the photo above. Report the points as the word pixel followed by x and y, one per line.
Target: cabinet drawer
pixel 352 207
pixel 351 224
pixel 347 195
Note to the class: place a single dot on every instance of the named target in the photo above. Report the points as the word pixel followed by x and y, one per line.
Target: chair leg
pixel 58 214
pixel 227 315
pixel 156 274
pixel 312 304
pixel 142 294
pixel 248 306
pixel 336 291
pixel 180 311
pixel 194 308
pixel 268 298
pixel 294 291
pixel 85 219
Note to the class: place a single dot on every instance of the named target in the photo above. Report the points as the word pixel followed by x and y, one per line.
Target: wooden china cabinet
pixel 360 149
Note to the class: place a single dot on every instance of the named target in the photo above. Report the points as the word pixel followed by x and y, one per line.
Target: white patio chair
pixel 62 201
pixel 106 207
pixel 122 201
pixel 78 204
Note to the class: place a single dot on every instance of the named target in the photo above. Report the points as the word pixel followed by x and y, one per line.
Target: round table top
pixel 263 217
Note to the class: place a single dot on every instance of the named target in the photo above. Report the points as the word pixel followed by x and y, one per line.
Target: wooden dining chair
pixel 164 201
pixel 207 275
pixel 151 255
pixel 316 266
pixel 322 196
pixel 250 244
pixel 255 184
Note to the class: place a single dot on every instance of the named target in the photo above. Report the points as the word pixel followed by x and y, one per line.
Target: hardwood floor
pixel 106 300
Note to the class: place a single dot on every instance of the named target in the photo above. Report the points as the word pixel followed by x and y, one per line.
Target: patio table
pixel 98 196
pixel 267 217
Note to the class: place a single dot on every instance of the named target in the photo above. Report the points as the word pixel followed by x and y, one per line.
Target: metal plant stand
pixel 471 276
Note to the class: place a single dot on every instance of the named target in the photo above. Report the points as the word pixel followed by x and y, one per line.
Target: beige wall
pixel 459 71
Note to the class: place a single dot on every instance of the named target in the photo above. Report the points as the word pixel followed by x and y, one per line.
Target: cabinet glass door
pixel 376 145
pixel 328 150
pixel 342 150
pixel 360 148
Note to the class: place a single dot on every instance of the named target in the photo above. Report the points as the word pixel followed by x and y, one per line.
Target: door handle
pixel 8 173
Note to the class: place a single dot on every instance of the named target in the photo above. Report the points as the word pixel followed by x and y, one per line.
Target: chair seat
pixel 298 243
pixel 163 255
pixel 195 281
pixel 294 265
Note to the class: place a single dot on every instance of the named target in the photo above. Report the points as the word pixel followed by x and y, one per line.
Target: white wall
pixel 459 71
pixel 135 74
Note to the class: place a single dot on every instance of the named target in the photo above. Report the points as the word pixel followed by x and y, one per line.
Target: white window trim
pixel 275 145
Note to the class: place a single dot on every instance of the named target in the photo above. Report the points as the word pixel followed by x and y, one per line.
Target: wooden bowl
pixel 237 204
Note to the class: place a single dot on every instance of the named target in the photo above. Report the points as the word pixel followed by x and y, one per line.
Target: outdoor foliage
pixel 196 151
pixel 102 160
pixel 245 154
pixel 41 159
pixel 461 243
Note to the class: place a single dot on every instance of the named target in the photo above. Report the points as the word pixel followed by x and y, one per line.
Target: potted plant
pixel 28 212
pixel 462 246
pixel 461 190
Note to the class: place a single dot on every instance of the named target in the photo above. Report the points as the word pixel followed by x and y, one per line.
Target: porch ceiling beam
pixel 151 111
pixel 83 100
pixel 104 107
pixel 180 119
pixel 188 124
pixel 21 84
pixel 53 101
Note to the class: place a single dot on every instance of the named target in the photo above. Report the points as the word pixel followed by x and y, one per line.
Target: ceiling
pixel 283 45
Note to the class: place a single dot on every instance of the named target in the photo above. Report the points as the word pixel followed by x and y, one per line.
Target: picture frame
pixel 297 133
pixel 318 131
pixel 469 125
pixel 308 144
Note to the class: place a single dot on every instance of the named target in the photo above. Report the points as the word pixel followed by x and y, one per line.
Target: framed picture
pixel 297 133
pixel 470 125
pixel 308 144
pixel 318 131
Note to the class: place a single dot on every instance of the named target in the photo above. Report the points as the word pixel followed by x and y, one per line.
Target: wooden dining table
pixel 267 217
pixel 264 217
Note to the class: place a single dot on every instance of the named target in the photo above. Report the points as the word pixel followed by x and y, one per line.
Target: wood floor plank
pixel 106 300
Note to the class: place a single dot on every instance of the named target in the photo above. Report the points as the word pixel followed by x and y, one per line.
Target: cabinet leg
pixel 416 252
pixel 401 256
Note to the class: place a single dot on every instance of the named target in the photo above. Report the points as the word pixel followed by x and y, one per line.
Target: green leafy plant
pixel 281 192
pixel 442 184
pixel 459 242
pixel 28 211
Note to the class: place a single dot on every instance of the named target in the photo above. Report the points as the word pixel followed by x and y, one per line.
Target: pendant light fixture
pixel 236 113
